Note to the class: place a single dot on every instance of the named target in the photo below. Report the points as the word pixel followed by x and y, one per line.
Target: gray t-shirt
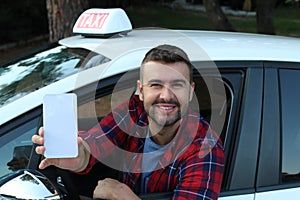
pixel 151 156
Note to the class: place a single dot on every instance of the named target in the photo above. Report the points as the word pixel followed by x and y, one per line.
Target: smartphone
pixel 60 125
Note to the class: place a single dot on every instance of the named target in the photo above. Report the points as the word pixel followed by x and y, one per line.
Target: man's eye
pixel 178 85
pixel 156 85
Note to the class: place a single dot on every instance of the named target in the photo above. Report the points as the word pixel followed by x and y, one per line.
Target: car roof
pixel 126 52
pixel 217 44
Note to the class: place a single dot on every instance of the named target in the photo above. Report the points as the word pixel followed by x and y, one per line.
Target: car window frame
pixel 274 152
pixel 240 165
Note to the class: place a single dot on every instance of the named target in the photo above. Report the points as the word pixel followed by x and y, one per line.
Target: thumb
pixel 83 144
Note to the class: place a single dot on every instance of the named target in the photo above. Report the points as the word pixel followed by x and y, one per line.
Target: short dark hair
pixel 168 54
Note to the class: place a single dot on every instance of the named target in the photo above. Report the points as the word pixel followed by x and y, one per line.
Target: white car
pixel 247 88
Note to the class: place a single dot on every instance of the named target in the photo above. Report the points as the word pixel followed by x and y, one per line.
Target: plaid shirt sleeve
pixel 111 130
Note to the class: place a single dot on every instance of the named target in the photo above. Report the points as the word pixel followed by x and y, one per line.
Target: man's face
pixel 166 91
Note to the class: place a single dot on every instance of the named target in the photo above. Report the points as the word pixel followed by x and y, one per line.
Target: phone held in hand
pixel 60 125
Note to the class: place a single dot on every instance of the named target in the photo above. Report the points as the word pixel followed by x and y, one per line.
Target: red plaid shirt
pixel 192 167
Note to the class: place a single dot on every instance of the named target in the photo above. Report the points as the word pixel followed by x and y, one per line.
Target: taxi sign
pixel 102 22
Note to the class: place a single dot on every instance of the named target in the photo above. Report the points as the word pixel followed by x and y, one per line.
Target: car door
pixel 243 83
pixel 279 168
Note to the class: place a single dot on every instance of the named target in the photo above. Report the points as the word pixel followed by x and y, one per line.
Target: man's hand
pixel 74 164
pixel 113 190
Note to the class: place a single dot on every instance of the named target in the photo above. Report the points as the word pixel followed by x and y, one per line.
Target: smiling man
pixel 166 88
pixel 170 148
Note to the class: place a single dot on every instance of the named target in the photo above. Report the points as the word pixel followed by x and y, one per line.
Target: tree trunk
pixel 62 15
pixel 265 16
pixel 218 18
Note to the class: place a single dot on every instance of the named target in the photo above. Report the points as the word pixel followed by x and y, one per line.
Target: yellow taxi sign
pixel 102 22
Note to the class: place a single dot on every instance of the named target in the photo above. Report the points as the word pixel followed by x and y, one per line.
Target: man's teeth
pixel 166 107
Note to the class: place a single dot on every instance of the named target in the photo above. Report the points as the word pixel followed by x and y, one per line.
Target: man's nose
pixel 166 93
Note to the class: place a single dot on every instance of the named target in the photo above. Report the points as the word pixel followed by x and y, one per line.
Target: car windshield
pixel 25 76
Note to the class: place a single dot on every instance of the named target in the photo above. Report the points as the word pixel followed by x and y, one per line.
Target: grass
pixel 167 18
pixel 286 21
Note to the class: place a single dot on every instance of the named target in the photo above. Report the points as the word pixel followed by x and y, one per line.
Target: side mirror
pixel 27 184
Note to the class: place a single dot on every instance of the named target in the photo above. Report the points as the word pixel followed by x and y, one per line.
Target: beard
pixel 164 119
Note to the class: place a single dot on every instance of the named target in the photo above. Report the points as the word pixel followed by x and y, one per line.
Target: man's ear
pixel 140 89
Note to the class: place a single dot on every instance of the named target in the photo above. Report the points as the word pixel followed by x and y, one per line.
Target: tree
pixel 265 16
pixel 62 15
pixel 218 18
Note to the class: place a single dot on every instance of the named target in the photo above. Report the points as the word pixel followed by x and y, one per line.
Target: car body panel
pixel 292 193
pixel 239 197
pixel 217 45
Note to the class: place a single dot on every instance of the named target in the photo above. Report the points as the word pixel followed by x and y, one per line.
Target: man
pixel 170 147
